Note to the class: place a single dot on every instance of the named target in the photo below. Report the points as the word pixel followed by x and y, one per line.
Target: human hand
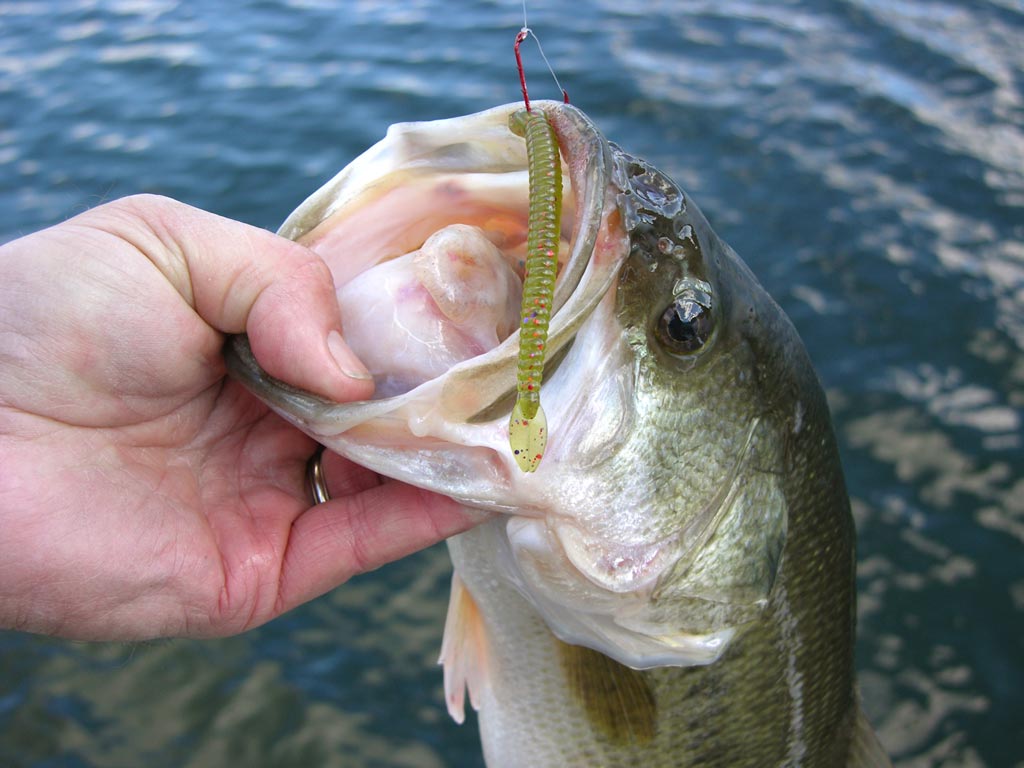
pixel 142 493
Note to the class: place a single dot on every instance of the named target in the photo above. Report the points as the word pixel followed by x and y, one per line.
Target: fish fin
pixel 865 749
pixel 617 700
pixel 464 652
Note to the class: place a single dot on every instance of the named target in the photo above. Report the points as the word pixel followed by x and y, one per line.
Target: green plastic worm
pixel 527 430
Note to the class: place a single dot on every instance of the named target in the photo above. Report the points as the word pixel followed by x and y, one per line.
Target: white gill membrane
pixel 412 318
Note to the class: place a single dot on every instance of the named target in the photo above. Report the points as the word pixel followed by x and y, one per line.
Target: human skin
pixel 142 493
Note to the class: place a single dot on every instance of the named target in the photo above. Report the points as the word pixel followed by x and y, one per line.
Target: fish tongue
pixel 412 318
pixel 470 281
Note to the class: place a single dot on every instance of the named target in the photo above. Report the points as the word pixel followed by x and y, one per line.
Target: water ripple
pixel 865 156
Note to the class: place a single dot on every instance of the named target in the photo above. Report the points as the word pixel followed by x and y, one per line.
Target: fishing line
pixel 524 33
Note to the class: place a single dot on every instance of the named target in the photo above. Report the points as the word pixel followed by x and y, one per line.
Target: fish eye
pixel 686 325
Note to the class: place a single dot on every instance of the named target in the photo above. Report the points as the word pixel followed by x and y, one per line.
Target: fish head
pixel 654 528
pixel 676 406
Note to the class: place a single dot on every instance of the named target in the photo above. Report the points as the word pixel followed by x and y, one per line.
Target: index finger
pixel 240 278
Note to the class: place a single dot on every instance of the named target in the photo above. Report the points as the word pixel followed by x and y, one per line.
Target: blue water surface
pixel 866 158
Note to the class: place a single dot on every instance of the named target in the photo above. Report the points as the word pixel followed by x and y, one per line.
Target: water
pixel 866 157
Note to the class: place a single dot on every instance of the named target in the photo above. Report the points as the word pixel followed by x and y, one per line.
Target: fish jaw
pixel 449 433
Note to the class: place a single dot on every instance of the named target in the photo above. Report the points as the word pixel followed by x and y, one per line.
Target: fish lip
pixel 589 157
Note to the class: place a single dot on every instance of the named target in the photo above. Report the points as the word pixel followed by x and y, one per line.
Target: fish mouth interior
pixel 414 188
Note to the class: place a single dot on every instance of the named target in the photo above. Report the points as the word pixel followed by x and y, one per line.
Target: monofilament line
pixel 523 34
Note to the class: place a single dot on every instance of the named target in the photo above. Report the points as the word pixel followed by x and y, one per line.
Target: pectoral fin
pixel 464 652
pixel 617 700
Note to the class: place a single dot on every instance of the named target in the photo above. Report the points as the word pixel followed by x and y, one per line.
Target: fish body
pixel 674 584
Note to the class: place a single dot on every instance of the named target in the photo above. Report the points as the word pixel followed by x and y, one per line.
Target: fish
pixel 674 585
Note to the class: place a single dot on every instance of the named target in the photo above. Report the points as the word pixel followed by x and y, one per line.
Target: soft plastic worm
pixel 527 431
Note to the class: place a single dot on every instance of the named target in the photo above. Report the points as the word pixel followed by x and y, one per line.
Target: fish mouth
pixel 471 170
pixel 421 177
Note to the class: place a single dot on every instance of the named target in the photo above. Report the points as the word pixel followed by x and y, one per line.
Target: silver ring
pixel 315 477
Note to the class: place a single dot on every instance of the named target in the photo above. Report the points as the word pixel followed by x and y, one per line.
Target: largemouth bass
pixel 674 585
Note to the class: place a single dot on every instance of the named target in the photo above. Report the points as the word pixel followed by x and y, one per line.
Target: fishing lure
pixel 527 430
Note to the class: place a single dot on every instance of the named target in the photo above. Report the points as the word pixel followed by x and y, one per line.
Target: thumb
pixel 240 278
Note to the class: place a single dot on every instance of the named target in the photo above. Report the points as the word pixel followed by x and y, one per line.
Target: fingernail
pixel 346 359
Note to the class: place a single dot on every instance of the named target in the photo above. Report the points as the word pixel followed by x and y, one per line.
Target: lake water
pixel 866 157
